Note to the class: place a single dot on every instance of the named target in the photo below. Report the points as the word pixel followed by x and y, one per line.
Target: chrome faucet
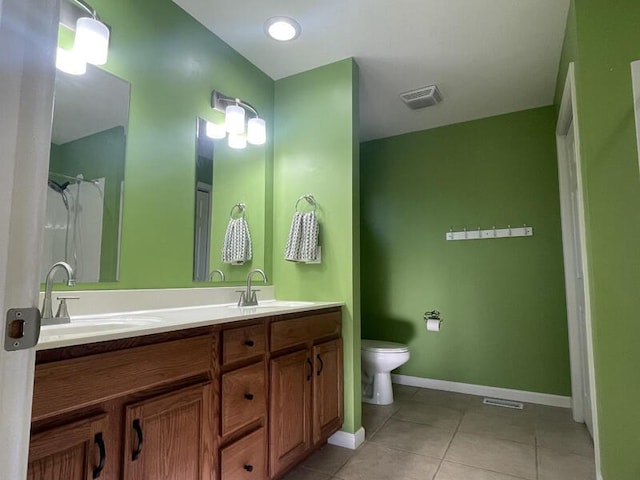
pixel 219 272
pixel 47 313
pixel 248 297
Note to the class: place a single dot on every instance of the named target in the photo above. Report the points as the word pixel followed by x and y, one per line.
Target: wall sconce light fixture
pixel 235 112
pixel 91 44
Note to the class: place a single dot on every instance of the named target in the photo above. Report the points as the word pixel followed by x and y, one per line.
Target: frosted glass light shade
pixel 215 130
pixel 92 40
pixel 237 141
pixel 256 131
pixel 70 62
pixel 234 119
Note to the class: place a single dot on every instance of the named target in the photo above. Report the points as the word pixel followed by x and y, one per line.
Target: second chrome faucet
pixel 248 297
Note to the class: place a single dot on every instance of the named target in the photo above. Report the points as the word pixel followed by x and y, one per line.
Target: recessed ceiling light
pixel 282 29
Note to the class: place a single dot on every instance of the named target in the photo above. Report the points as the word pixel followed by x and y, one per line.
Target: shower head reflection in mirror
pixel 223 177
pixel 86 175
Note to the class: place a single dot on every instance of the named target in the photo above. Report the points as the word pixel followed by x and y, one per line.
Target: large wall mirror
pixel 86 174
pixel 229 200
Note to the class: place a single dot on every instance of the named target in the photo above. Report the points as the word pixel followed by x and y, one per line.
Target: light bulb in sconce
pixel 70 62
pixel 237 141
pixel 92 40
pixel 256 131
pixel 215 131
pixel 234 119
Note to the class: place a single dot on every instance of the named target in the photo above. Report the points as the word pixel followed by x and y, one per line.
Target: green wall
pixel 502 300
pixel 100 155
pixel 173 63
pixel 602 45
pixel 317 154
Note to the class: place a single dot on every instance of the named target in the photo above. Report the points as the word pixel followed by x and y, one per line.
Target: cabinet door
pixel 290 409
pixel 72 452
pixel 169 437
pixel 327 389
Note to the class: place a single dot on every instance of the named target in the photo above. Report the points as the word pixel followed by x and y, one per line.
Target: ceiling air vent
pixel 422 97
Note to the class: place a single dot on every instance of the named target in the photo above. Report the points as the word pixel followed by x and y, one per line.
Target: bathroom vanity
pixel 245 398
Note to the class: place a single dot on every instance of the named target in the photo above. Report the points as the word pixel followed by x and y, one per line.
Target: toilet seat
pixel 380 346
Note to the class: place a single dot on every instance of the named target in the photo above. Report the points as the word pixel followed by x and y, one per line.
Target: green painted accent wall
pixel 238 177
pixel 100 155
pixel 173 63
pixel 607 40
pixel 316 147
pixel 502 300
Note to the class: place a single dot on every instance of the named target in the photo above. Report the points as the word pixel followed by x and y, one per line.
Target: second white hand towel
pixel 236 247
pixel 302 244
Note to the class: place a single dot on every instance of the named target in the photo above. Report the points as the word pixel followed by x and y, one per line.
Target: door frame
pixel 566 117
pixel 30 27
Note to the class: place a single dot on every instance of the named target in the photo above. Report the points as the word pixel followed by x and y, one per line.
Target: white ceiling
pixel 487 56
pixel 88 104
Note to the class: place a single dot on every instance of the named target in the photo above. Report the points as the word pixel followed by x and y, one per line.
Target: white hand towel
pixel 302 244
pixel 236 247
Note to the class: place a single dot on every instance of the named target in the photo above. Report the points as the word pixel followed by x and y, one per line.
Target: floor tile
pixel 546 414
pixel 456 401
pixel 489 453
pixel 455 471
pixel 517 429
pixel 403 392
pixel 414 437
pixel 372 421
pixel 328 459
pixel 374 461
pixel 301 473
pixel 434 415
pixel 565 437
pixel 564 466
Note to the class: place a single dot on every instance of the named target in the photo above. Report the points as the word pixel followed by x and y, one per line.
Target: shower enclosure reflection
pixel 86 175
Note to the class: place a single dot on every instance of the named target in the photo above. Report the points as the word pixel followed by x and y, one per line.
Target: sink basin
pixel 274 305
pixel 96 325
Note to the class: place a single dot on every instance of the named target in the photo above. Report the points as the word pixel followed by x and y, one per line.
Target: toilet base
pixel 380 388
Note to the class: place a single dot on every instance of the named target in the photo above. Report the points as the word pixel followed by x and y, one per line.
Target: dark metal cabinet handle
pixel 249 343
pixel 321 364
pixel 248 468
pixel 136 453
pixel 103 455
pixel 248 396
pixel 310 369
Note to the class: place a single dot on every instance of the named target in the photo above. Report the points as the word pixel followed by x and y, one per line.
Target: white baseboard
pixel 347 440
pixel 482 390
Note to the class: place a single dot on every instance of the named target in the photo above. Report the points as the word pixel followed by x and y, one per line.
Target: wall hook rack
pixel 509 232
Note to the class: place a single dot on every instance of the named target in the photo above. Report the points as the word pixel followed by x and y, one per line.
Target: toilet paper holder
pixel 432 315
pixel 432 321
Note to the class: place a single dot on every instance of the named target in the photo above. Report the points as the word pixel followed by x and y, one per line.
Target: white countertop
pixel 93 328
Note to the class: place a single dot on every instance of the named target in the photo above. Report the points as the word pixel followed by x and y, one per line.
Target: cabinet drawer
pixel 79 382
pixel 241 343
pixel 245 459
pixel 287 333
pixel 243 397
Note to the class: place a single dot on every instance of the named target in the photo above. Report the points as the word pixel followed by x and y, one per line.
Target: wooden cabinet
pixel 327 390
pixel 290 409
pixel 75 451
pixel 306 404
pixel 242 401
pixel 166 436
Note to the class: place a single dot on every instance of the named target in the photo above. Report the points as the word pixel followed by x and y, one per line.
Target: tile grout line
pixel 450 442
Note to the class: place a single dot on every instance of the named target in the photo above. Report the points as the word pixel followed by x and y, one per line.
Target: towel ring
pixel 310 200
pixel 241 207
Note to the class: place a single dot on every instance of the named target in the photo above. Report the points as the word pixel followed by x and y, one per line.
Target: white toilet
pixel 378 359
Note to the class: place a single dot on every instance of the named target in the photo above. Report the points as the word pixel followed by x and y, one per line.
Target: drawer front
pixel 70 384
pixel 245 459
pixel 242 343
pixel 243 397
pixel 287 333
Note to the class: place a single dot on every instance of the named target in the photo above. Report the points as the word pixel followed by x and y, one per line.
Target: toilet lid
pixel 380 346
